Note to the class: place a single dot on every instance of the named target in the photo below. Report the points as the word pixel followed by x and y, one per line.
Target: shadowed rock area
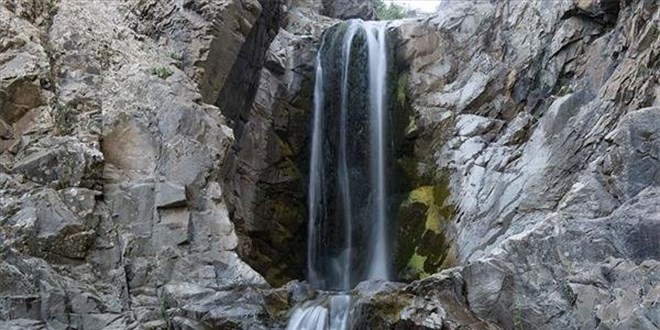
pixel 154 159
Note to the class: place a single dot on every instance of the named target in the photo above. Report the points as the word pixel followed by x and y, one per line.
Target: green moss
pixel 434 198
pixel 423 247
pixel 408 165
pixel 283 149
pixel 427 195
pixel 416 267
pixel 389 305
pixel 423 211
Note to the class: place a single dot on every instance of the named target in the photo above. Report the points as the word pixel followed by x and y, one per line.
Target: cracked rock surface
pixel 544 121
pixel 153 164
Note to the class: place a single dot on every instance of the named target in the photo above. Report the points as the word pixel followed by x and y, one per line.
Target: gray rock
pixel 127 201
pixel 561 186
pixel 347 9
pixel 110 169
pixel 264 169
pixel 169 195
pixel 64 164
pixel 50 228
pixel 437 302
pixel 21 324
pixel 199 33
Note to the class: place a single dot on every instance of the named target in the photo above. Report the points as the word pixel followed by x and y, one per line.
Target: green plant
pixel 162 72
pixel 178 58
pixel 386 12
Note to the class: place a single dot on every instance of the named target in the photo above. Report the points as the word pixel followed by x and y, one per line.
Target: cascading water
pixel 348 214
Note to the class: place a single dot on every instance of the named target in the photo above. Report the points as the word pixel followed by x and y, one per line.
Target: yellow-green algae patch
pixel 423 211
pixel 423 247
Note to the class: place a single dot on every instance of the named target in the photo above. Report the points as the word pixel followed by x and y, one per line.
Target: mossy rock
pixel 382 311
pixel 390 305
pixel 279 250
pixel 422 245
pixel 423 210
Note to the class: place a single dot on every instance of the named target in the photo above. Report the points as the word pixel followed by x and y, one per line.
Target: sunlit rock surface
pixel 544 120
pixel 153 158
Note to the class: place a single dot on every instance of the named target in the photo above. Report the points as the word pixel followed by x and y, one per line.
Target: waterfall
pixel 378 266
pixel 348 213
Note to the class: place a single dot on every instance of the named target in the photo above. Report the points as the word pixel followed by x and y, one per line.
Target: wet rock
pixel 435 302
pixel 265 167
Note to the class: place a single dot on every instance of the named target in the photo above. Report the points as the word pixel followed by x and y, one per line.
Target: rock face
pixel 340 9
pixel 112 208
pixel 347 9
pixel 266 170
pixel 153 164
pixel 544 121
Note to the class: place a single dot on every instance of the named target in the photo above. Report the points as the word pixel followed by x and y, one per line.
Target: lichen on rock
pixel 524 169
pixel 422 244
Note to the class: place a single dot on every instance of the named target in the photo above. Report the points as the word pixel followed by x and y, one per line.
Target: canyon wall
pixel 153 164
pixel 537 124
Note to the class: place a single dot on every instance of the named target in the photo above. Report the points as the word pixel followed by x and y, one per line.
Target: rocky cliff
pixel 113 209
pixel 540 121
pixel 153 161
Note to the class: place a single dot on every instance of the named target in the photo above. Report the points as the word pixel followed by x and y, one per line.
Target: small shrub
pixel 178 58
pixel 162 72
pixel 386 12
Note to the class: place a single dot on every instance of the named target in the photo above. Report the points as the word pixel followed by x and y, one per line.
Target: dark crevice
pixel 236 101
pixel 244 77
pixel 605 13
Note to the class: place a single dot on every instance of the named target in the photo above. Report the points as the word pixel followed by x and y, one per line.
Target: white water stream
pixel 334 312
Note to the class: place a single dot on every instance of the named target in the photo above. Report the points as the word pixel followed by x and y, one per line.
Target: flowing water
pixel 348 214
